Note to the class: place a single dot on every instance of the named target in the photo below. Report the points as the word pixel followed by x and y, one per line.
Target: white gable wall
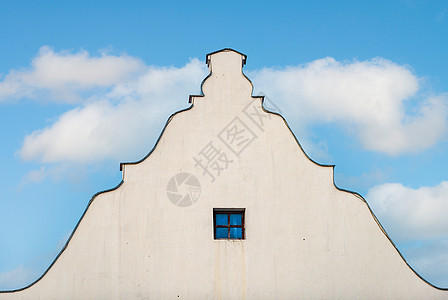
pixel 304 237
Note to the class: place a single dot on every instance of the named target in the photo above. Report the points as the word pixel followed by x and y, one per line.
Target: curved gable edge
pixel 356 194
pixel 191 101
pixel 67 242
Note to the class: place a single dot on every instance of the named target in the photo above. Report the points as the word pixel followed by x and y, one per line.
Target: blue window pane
pixel 236 233
pixel 221 219
pixel 235 219
pixel 221 233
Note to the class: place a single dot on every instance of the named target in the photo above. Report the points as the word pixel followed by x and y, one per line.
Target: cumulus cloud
pixel 116 124
pixel 120 97
pixel 374 99
pixel 411 214
pixel 62 76
pixel 416 221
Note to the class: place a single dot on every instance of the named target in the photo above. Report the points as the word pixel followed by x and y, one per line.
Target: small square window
pixel 228 223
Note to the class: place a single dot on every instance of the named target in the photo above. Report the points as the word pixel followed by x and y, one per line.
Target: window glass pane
pixel 235 219
pixel 222 233
pixel 221 219
pixel 236 233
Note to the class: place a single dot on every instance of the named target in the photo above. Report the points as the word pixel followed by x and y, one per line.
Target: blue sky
pixel 86 85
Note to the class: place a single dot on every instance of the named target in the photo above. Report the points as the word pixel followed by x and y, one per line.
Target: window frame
pixel 228 212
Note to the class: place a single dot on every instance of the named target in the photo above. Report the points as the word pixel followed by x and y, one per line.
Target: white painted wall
pixel 304 237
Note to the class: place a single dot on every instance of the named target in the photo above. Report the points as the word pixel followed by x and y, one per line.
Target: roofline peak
pixel 207 56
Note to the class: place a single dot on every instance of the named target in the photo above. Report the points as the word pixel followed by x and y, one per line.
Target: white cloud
pixel 411 214
pixel 62 76
pixel 370 98
pixel 121 97
pixel 416 221
pixel 116 124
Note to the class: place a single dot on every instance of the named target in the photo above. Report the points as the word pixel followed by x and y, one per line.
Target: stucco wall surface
pixel 305 239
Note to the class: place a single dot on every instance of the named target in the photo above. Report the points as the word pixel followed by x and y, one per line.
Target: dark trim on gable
pixel 356 195
pixel 66 243
pixel 388 237
pixel 207 61
pixel 289 128
pixel 158 139
pixel 160 136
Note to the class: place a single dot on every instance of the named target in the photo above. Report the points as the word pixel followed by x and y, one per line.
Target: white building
pixel 228 206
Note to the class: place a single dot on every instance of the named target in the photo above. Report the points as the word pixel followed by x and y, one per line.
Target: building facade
pixel 228 206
